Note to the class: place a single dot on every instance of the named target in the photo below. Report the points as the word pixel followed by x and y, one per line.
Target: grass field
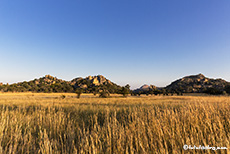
pixel 47 123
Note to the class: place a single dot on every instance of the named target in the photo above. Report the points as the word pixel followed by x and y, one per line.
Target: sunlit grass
pixel 47 123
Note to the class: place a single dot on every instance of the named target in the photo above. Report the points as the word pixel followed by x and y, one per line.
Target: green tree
pixel 127 86
pixel 227 89
pixel 213 91
pixel 104 94
pixel 124 91
pixel 78 92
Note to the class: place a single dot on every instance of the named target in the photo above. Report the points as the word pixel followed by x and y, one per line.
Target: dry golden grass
pixel 46 123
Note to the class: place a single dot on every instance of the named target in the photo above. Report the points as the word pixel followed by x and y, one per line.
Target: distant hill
pixel 145 88
pixel 49 83
pixel 196 84
pixel 91 81
pixel 188 84
pixel 95 84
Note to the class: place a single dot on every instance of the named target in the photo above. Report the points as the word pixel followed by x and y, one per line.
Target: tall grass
pixel 115 125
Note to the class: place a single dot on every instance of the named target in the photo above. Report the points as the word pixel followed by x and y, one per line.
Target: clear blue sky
pixel 128 41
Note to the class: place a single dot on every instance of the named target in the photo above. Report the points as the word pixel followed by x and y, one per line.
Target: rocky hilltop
pixel 91 81
pixel 145 88
pixel 49 83
pixel 93 84
pixel 196 83
pixel 47 80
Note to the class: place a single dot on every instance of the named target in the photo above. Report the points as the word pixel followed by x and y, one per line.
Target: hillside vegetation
pixel 97 84
pixel 47 123
pixel 50 84
pixel 189 84
pixel 197 84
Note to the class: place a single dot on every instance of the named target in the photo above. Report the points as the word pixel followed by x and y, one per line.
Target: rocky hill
pixel 145 88
pixel 95 83
pixel 91 81
pixel 49 83
pixel 196 83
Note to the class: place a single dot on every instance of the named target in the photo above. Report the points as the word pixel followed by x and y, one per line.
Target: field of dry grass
pixel 47 123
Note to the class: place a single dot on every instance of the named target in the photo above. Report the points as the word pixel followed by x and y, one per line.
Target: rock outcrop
pixel 49 83
pixel 91 81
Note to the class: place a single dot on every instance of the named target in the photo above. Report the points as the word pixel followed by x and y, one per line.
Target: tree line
pixel 102 90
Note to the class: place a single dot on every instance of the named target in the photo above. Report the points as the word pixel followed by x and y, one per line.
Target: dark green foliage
pixel 104 94
pixel 213 91
pixel 78 92
pixel 227 89
pixel 45 84
pixel 49 84
pixel 127 86
pixel 151 92
pixel 124 91
pixel 198 84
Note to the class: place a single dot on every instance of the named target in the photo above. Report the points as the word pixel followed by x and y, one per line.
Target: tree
pixel 227 89
pixel 95 90
pixel 124 91
pixel 139 93
pixel 151 91
pixel 78 92
pixel 104 94
pixel 127 86
pixel 213 91
pixel 225 93
pixel 163 91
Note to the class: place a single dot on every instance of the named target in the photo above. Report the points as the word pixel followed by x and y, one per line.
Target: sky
pixel 132 42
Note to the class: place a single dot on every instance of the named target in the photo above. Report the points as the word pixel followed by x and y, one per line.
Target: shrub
pixel 104 94
pixel 78 92
pixel 63 96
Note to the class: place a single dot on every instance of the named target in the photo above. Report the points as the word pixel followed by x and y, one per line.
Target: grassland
pixel 47 123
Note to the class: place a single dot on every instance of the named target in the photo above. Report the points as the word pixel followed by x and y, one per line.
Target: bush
pixel 227 89
pixel 104 94
pixel 63 96
pixel 213 91
pixel 78 92
pixel 124 91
